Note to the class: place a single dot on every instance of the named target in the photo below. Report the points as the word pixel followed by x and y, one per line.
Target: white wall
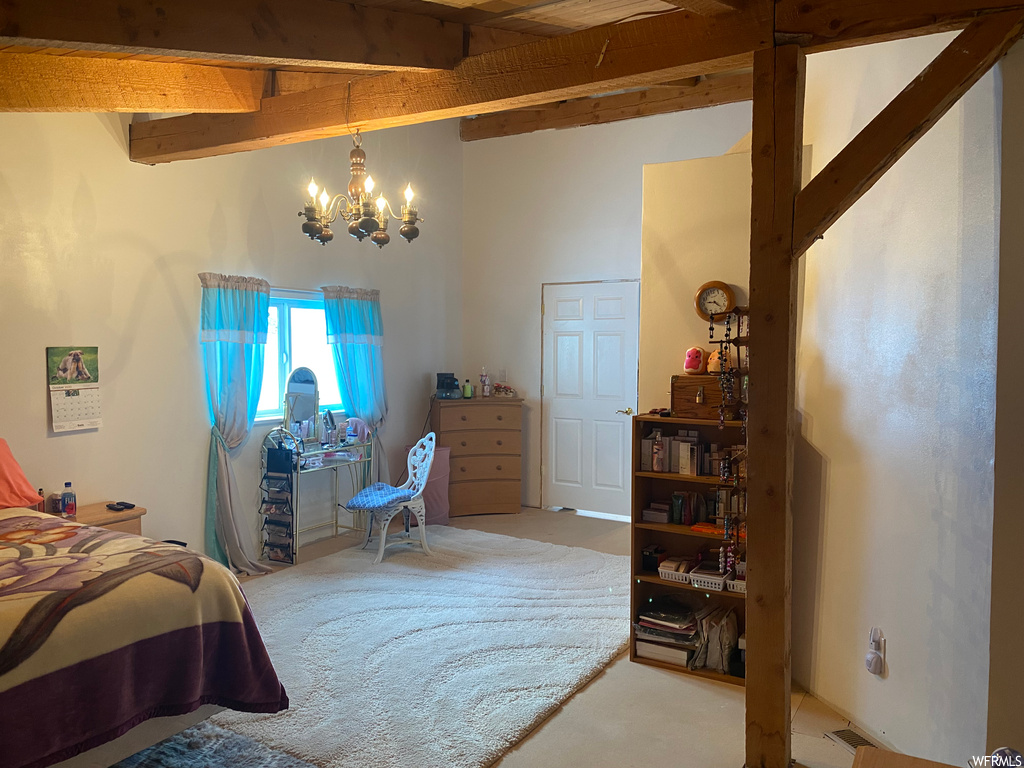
pixel 559 206
pixel 96 250
pixel 896 394
pixel 696 228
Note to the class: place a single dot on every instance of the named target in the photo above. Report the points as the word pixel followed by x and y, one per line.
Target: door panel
pixel 568 364
pixel 590 335
pixel 609 461
pixel 568 443
pixel 609 367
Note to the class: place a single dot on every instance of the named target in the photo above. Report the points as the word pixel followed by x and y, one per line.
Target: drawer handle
pixel 499 442
pixel 463 443
pixel 462 469
pixel 499 467
pixel 463 418
pixel 499 418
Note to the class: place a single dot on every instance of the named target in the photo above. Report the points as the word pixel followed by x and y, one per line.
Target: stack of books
pixel 672 626
pixel 666 632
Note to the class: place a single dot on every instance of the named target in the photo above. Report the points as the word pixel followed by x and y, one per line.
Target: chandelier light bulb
pixel 312 189
pixel 408 194
pixel 324 198
pixel 368 185
pixel 381 202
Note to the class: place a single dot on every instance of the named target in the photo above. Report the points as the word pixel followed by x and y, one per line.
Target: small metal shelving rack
pixel 357 457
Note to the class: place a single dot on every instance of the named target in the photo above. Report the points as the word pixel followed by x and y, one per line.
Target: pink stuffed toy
pixel 695 361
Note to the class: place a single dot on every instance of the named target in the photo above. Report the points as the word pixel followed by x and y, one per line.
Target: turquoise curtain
pixel 355 332
pixel 234 316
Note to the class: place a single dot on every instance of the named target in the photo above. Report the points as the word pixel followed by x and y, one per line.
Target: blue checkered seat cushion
pixel 380 496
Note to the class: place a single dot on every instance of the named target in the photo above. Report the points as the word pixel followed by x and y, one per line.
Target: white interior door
pixel 590 335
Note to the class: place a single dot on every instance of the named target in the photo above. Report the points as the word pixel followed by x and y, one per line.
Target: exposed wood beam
pixel 319 33
pixel 776 162
pixel 596 60
pixel 609 109
pixel 686 82
pixel 709 7
pixel 905 120
pixel 40 83
pixel 820 25
pixel 486 39
pixel 286 82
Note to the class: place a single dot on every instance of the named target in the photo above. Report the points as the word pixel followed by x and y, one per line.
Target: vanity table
pixel 309 441
pixel 356 457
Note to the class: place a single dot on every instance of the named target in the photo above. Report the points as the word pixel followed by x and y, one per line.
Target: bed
pixel 101 631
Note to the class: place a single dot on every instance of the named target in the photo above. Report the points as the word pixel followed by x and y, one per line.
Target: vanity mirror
pixel 302 404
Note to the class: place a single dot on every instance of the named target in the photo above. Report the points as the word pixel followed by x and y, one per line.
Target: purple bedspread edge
pixel 57 716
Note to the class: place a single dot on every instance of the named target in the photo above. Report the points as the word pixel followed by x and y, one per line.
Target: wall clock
pixel 714 298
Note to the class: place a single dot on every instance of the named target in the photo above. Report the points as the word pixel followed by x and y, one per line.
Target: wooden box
pixel 686 391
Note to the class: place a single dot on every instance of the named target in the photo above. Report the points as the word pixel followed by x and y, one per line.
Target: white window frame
pixel 284 299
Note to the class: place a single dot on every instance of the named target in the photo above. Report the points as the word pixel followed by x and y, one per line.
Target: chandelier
pixel 366 217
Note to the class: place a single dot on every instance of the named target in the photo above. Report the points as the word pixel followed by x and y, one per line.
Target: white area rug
pixel 432 662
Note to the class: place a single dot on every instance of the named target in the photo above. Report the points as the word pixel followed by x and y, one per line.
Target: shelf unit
pixel 678 540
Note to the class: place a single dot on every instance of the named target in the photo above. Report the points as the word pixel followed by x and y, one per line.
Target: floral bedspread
pixel 101 630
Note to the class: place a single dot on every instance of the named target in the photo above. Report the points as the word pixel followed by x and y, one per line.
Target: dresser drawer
pixel 484 468
pixel 475 443
pixel 484 497
pixel 456 417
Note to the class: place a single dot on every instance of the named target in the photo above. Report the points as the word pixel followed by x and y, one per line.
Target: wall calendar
pixel 73 375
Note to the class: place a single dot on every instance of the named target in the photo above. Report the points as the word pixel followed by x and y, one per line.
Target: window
pixel 297 337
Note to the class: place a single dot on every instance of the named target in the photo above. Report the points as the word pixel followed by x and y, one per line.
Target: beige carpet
pixel 432 662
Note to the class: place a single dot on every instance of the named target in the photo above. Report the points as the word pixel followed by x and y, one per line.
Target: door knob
pixel 627 411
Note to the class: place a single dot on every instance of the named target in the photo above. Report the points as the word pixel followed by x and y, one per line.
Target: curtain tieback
pixel 219 437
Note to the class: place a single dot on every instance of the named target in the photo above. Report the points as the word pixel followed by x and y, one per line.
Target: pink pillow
pixel 15 489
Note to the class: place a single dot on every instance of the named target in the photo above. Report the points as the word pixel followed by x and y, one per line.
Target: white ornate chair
pixel 382 502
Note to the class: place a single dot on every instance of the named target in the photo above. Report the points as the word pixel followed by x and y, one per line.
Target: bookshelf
pixel 677 539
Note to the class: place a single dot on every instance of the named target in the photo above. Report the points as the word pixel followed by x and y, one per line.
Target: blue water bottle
pixel 68 505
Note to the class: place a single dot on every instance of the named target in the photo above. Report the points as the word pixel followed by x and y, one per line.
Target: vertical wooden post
pixel 776 149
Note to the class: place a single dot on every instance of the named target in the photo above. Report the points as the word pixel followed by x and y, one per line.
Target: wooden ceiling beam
pixel 821 25
pixel 709 7
pixel 609 109
pixel 597 60
pixel 41 83
pixel 317 33
pixel 906 119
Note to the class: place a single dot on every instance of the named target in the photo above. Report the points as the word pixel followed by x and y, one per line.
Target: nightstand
pixel 127 521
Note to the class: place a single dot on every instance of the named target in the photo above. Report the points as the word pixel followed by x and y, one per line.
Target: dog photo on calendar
pixel 72 365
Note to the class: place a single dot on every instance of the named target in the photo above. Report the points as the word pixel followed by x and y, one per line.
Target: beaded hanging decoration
pixel 727 372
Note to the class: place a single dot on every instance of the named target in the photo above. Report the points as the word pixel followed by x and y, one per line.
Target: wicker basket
pixel 737 585
pixel 710 582
pixel 680 576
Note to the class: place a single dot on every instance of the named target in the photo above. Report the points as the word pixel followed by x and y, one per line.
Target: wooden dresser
pixel 486 440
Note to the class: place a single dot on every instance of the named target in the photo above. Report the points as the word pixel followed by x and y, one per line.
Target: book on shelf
pixel 656 635
pixel 656 652
pixel 674 618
